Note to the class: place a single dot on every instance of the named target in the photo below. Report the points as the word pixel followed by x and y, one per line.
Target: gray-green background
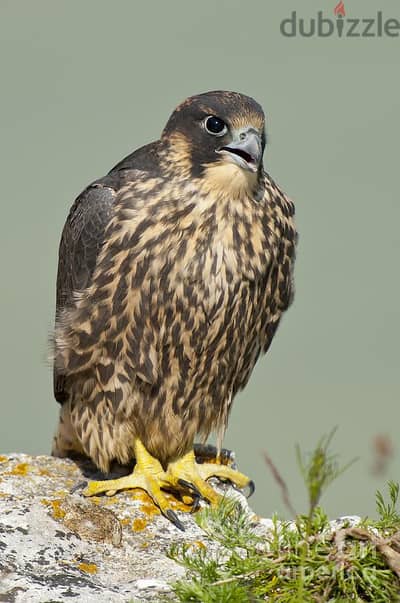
pixel 84 83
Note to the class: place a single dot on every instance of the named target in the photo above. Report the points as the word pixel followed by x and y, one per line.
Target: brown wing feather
pixel 81 241
pixel 84 233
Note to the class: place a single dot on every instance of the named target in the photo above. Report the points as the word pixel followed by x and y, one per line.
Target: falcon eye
pixel 215 126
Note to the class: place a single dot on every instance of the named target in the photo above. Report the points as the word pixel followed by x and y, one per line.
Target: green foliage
pixel 319 469
pixel 301 561
pixel 388 513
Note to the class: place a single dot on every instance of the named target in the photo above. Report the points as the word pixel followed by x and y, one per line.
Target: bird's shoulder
pixel 145 159
pixel 85 227
pixel 99 196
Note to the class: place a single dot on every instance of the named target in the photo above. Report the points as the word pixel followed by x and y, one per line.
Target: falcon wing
pixel 84 230
pixel 115 325
pixel 81 241
pixel 84 234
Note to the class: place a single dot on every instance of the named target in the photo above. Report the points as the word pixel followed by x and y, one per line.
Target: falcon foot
pixel 212 457
pixel 184 476
pixel 186 472
pixel 148 475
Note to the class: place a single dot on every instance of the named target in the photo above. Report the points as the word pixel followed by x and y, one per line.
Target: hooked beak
pixel 245 149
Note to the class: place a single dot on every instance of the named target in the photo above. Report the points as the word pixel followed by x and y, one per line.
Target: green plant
pixel 389 515
pixel 301 561
pixel 319 469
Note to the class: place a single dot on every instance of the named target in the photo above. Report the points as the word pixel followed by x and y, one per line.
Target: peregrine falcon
pixel 174 271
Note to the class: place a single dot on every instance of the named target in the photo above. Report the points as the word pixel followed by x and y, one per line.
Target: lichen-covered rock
pixel 56 546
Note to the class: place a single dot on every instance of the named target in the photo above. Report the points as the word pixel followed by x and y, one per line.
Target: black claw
pixel 189 486
pixel 195 493
pixel 195 504
pixel 172 516
pixel 79 486
pixel 252 487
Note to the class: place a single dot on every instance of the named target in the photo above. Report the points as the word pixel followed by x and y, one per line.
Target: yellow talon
pixel 185 472
pixel 224 472
pixel 147 475
pixel 184 476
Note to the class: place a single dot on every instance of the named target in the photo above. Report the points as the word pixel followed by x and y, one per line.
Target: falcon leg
pixel 148 475
pixel 185 472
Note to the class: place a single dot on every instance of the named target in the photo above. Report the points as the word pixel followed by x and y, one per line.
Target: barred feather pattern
pixel 188 290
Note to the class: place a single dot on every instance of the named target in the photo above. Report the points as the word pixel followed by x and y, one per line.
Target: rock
pixel 56 545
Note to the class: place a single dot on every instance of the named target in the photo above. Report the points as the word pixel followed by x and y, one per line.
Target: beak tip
pixel 245 149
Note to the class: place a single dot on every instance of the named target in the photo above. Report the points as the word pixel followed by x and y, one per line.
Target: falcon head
pixel 218 136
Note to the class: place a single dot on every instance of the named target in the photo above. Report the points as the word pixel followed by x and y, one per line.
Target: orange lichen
pixel 141 495
pixel 60 493
pixel 149 508
pixel 125 521
pixel 3 459
pixel 44 472
pixel 182 505
pixel 20 469
pixel 57 511
pixel 88 568
pixel 139 524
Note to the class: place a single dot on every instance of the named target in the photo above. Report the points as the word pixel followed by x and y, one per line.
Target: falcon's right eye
pixel 215 126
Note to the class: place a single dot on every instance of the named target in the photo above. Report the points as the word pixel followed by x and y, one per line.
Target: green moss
pixel 302 561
